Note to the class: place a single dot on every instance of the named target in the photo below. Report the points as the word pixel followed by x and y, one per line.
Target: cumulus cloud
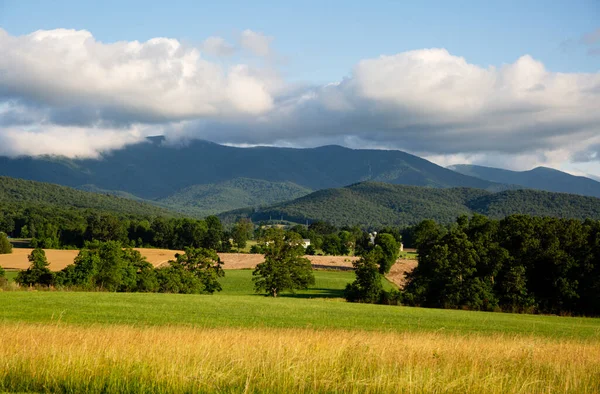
pixel 255 42
pixel 154 81
pixel 218 46
pixel 428 102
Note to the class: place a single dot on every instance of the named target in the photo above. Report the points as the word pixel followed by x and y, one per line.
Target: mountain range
pixel 541 178
pixel 203 178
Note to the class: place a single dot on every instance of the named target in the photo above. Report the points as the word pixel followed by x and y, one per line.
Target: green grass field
pixel 11 275
pixel 238 306
pixel 312 341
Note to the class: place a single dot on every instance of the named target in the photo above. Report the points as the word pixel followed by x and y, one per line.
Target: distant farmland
pixel 59 259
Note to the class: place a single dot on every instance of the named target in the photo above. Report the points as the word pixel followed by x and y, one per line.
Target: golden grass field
pixel 59 259
pixel 65 358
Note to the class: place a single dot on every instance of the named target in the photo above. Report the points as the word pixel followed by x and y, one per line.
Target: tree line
pixel 56 228
pixel 518 264
pixel 108 266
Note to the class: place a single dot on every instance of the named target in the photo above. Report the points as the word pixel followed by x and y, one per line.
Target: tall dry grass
pixel 64 358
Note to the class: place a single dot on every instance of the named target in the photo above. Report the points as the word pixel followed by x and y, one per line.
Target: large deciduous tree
pixel 284 268
pixel 38 272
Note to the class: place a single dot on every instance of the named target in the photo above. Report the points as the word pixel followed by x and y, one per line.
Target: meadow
pixel 311 341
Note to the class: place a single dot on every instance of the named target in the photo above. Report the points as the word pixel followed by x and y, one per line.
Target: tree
pixel 367 286
pixel 5 245
pixel 214 234
pixel 390 250
pixel 3 280
pixel 38 272
pixel 284 268
pixel 204 264
pixel 332 245
pixel 241 233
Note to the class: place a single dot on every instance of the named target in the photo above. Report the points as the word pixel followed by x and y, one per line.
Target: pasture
pixel 311 341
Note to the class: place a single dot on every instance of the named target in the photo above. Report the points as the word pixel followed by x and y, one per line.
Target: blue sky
pixel 321 39
pixel 512 84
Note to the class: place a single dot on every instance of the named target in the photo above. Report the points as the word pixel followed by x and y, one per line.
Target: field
pixel 59 259
pixel 239 342
pixel 311 341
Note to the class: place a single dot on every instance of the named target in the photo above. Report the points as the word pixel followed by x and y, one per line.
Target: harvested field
pixel 59 259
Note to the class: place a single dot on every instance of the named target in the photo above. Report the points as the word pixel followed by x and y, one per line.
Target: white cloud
pixel 255 42
pixel 66 141
pixel 157 80
pixel 218 46
pixel 428 101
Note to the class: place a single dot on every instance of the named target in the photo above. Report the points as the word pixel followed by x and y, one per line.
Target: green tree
pixel 38 272
pixel 3 280
pixel 204 264
pixel 390 250
pixel 284 268
pixel 214 234
pixel 332 245
pixel 367 286
pixel 241 233
pixel 5 245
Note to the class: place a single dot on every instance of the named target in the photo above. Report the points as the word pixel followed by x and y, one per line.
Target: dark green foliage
pixel 332 245
pixel 209 199
pixel 38 272
pixel 520 263
pixel 310 250
pixel 541 178
pixel 55 227
pixel 20 192
pixel 5 245
pixel 241 232
pixel 372 205
pixel 367 287
pixel 107 266
pixel 194 272
pixel 3 280
pixel 390 250
pixel 284 268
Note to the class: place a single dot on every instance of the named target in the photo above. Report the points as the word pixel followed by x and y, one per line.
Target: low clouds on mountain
pixel 77 96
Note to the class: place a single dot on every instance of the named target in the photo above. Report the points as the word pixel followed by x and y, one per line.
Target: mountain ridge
pixel 375 204
pixel 540 178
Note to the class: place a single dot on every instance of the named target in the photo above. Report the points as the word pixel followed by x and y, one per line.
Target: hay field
pixel 59 259
pixel 63 358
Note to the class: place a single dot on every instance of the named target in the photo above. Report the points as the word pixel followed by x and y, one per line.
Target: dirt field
pixel 59 259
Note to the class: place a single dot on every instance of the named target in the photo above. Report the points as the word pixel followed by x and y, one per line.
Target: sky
pixel 510 84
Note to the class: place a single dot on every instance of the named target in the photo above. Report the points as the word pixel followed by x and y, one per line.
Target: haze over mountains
pixel 205 178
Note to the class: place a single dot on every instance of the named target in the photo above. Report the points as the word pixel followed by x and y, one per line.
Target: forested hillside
pixel 373 205
pixel 203 200
pixel 21 193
